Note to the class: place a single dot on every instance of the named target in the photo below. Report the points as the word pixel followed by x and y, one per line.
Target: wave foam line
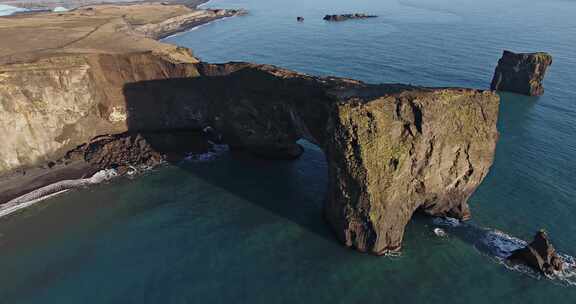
pixel 499 245
pixel 54 189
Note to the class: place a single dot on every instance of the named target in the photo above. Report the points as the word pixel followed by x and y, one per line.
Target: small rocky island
pixel 539 255
pixel 344 17
pixel 521 73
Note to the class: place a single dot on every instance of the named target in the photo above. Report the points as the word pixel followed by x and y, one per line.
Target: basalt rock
pixel 344 17
pixel 391 149
pixel 521 73
pixel 540 255
pixel 124 151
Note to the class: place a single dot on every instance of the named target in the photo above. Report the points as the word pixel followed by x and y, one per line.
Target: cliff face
pixel 53 105
pixel 521 73
pixel 391 149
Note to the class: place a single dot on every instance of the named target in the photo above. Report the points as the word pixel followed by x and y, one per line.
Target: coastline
pixel 23 180
pixel 47 5
pixel 194 27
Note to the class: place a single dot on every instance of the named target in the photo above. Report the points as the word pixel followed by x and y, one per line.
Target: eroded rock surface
pixel 391 149
pixel 540 255
pixel 521 73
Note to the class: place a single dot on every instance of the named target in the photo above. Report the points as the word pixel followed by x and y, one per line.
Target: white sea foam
pixel 440 232
pixel 59 9
pixel 502 245
pixel 446 222
pixel 214 152
pixel 54 189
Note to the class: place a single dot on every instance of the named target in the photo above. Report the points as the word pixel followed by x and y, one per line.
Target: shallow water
pixel 241 230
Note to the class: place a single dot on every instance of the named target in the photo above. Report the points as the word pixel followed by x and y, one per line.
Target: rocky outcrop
pixel 540 255
pixel 521 73
pixel 391 149
pixel 123 152
pixel 51 106
pixel 344 17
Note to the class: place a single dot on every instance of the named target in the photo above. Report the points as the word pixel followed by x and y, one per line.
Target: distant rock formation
pixel 521 73
pixel 540 255
pixel 344 17
pixel 300 19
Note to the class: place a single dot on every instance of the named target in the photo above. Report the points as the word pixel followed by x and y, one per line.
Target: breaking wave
pixel 499 245
pixel 215 151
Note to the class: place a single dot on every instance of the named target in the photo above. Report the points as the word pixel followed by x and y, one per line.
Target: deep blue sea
pixel 240 230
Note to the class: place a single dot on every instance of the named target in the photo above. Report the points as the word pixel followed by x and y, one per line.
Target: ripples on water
pixel 241 230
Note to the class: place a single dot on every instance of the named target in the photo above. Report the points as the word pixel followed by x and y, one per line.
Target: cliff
pixel 391 149
pixel 89 90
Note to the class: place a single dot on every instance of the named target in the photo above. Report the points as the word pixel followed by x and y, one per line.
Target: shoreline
pixel 197 24
pixel 195 27
pixel 47 6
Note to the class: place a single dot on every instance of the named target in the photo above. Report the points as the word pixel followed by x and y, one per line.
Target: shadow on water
pixel 273 185
pixel 514 110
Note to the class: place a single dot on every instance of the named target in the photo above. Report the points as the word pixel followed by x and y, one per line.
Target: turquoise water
pixel 241 230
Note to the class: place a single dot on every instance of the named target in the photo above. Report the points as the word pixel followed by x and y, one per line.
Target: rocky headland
pixel 521 73
pixel 105 95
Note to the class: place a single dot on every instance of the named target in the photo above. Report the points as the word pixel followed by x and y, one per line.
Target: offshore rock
pixel 521 73
pixel 391 149
pixel 540 255
pixel 344 17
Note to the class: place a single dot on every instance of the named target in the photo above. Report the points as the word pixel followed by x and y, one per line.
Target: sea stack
pixel 540 255
pixel 521 73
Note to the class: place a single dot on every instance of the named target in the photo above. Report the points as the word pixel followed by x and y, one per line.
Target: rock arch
pixel 391 149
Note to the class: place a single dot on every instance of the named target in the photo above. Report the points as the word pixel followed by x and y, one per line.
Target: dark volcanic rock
pixel 540 255
pixel 122 151
pixel 391 149
pixel 521 73
pixel 344 17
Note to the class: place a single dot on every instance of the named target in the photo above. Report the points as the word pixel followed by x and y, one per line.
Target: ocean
pixel 233 229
